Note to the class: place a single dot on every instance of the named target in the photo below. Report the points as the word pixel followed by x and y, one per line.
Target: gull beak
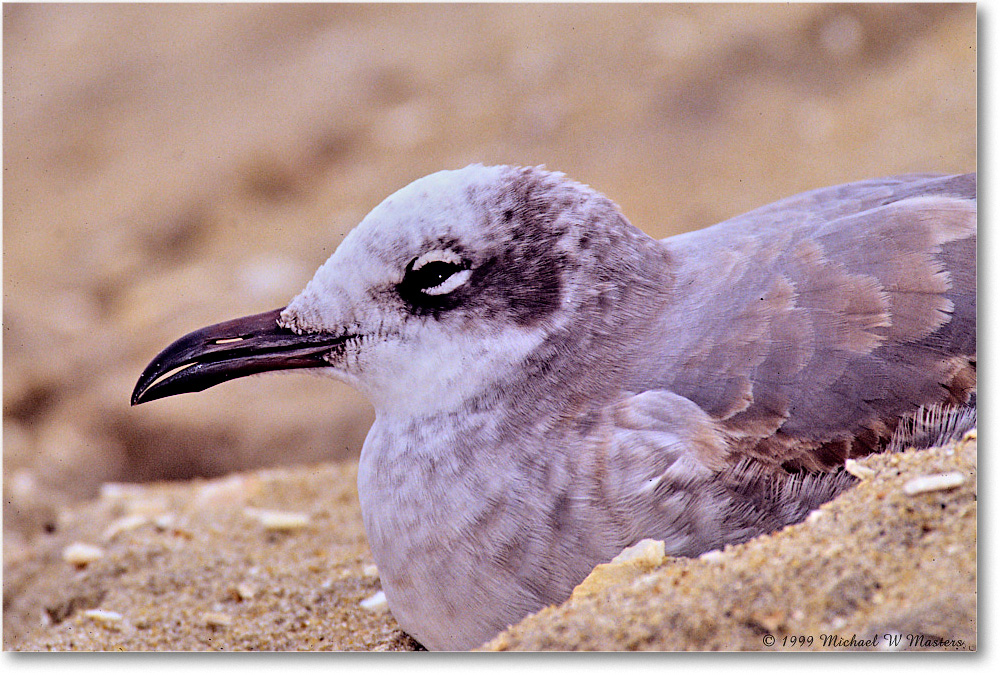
pixel 225 351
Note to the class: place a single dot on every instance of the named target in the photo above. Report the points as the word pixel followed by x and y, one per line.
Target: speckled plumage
pixel 568 385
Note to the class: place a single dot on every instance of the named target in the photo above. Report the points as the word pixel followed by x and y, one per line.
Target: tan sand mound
pixel 277 560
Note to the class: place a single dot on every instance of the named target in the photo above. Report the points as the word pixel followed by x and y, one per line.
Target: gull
pixel 552 385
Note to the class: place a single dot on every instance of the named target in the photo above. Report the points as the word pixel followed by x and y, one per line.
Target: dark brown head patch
pixel 518 276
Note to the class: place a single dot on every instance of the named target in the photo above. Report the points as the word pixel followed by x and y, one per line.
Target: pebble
pixel 647 550
pixel 23 484
pixel 123 524
pixel 715 555
pixel 279 521
pixel 103 617
pixel 858 470
pixel 941 481
pixel 81 554
pixel 245 591
pixel 216 619
pixel 164 521
pixel 376 603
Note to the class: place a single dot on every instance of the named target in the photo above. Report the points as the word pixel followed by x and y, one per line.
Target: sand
pixel 277 560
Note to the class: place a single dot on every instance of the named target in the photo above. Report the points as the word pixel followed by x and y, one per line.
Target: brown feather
pixel 835 315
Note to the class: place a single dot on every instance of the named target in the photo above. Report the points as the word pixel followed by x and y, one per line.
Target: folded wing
pixel 808 329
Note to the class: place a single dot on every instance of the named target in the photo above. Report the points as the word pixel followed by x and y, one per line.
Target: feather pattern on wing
pixel 809 327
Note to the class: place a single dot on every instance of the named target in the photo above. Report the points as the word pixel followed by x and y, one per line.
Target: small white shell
pixel 647 550
pixel 81 554
pixel 376 603
pixel 216 619
pixel 279 521
pixel 941 481
pixel 858 470
pixel 103 617
pixel 123 524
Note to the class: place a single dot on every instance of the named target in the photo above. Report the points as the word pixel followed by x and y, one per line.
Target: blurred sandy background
pixel 166 167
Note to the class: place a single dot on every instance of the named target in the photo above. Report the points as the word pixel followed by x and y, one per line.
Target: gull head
pixel 450 287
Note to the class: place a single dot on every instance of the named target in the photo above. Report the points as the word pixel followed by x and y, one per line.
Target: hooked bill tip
pixel 229 350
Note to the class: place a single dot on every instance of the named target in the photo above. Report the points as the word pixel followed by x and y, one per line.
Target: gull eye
pixel 435 273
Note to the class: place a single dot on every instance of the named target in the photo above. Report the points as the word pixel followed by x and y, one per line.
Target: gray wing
pixel 809 328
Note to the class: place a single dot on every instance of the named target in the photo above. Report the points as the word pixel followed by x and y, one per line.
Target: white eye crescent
pixel 438 272
pixel 437 255
pixel 449 284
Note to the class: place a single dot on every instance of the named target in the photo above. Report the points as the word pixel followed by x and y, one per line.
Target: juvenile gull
pixel 552 385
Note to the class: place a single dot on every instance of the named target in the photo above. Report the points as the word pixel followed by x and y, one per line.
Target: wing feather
pixel 810 327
